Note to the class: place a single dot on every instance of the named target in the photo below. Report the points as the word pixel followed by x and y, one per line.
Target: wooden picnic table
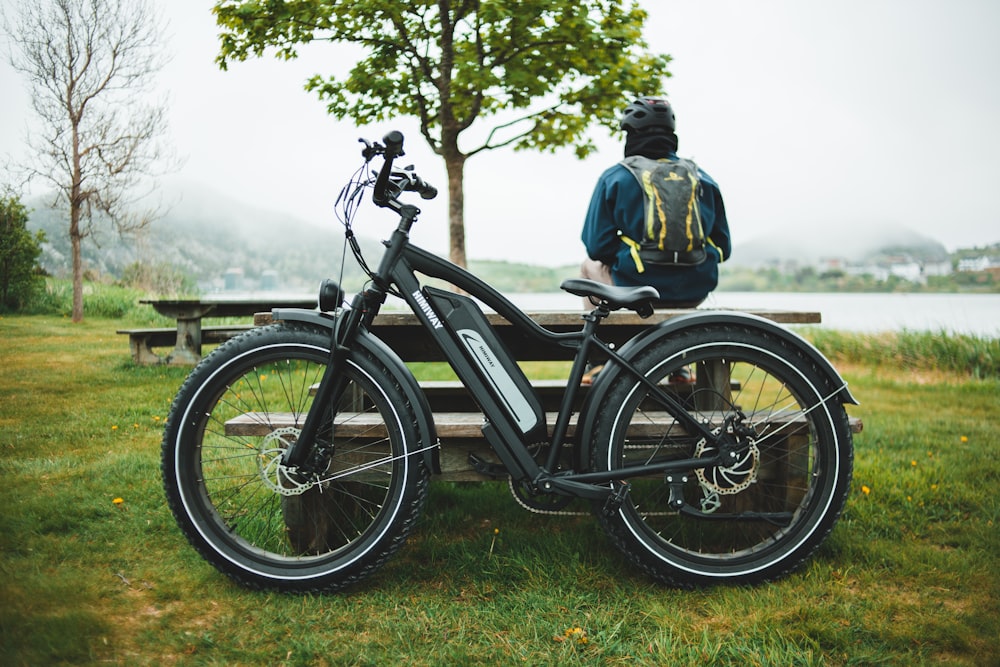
pixel 189 314
pixel 456 417
pixel 403 333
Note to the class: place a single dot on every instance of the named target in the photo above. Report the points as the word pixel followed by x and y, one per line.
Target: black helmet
pixel 646 113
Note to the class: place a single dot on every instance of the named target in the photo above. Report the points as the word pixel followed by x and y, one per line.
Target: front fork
pixel 364 307
pixel 300 454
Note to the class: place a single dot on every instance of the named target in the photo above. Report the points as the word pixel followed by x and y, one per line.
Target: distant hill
pixel 204 234
pixel 810 246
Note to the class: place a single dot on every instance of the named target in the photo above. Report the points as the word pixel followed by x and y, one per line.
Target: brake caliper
pixel 739 451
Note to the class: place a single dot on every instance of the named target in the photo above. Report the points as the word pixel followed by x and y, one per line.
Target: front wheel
pixel 755 518
pixel 267 526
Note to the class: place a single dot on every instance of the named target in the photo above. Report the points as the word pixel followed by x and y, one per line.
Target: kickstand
pixel 676 485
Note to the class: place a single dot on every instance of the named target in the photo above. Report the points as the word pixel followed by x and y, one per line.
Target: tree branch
pixel 488 145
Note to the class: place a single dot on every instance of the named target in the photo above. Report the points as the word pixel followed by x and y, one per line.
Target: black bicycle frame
pixel 488 371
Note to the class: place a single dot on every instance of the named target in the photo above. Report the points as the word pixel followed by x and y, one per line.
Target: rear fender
pixel 378 349
pixel 676 325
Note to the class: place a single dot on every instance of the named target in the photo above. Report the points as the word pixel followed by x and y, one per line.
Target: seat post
pixel 594 317
pixel 580 361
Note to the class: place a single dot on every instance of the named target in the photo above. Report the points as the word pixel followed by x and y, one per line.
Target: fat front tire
pixel 759 517
pixel 269 527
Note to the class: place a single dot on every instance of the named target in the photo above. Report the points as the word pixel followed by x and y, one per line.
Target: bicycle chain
pixel 711 490
pixel 538 510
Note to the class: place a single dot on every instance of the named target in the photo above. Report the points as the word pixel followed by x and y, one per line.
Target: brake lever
pixel 415 183
pixel 371 149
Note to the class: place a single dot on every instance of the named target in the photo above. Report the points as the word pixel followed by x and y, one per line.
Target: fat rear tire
pixel 763 516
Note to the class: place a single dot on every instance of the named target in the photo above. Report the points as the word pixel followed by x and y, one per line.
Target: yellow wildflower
pixel 118 501
pixel 865 490
pixel 577 634
pixel 493 542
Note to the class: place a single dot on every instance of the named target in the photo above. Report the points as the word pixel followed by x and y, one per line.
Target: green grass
pixel 907 577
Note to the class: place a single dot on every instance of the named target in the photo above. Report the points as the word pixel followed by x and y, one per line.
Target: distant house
pixel 233 279
pixel 937 268
pixel 975 264
pixel 911 271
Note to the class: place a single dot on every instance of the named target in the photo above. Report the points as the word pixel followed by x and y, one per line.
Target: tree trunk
pixel 75 239
pixel 75 210
pixel 455 163
pixel 74 236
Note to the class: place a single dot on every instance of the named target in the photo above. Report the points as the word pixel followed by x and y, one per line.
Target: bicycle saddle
pixel 614 297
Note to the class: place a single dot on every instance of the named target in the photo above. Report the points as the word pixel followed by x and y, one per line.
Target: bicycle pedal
pixel 617 498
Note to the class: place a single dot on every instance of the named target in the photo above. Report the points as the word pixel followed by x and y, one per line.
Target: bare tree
pixel 91 65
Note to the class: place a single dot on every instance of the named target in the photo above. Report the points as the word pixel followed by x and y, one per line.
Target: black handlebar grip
pixel 393 144
pixel 427 191
pixel 393 148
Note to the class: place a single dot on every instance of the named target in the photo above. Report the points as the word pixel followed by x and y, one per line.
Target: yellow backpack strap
pixel 722 257
pixel 634 250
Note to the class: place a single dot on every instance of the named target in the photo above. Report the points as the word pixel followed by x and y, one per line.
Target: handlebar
pixel 390 182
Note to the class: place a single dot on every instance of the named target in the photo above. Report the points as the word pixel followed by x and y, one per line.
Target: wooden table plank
pixel 403 333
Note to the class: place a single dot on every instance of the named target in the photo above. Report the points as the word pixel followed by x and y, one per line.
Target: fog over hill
pixel 204 234
pixel 851 243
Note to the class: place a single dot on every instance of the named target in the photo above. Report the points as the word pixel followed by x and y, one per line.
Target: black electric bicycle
pixel 297 456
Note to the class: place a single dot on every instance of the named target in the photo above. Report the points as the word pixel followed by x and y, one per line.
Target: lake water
pixel 977 314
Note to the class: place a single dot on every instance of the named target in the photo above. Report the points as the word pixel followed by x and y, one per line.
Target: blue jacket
pixel 616 207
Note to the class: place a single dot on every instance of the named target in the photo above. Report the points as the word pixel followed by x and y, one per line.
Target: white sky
pixel 849 114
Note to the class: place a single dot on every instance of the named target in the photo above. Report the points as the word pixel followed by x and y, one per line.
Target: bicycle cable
pixel 346 209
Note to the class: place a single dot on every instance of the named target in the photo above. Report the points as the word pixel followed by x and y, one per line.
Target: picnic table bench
pixel 457 419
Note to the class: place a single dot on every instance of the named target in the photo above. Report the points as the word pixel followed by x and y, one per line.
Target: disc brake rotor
pixel 276 475
pixel 728 479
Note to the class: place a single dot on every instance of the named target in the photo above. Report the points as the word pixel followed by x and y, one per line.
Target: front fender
pixel 675 325
pixel 378 349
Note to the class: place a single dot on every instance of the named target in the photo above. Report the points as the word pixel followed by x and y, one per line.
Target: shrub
pixel 20 277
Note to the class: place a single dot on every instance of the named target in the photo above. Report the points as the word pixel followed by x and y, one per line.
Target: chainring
pixel 543 503
pixel 537 502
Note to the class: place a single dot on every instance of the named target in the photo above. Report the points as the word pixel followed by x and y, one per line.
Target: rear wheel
pixel 767 510
pixel 267 526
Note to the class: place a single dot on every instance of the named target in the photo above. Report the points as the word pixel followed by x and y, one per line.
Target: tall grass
pixel 907 577
pixel 102 300
pixel 966 355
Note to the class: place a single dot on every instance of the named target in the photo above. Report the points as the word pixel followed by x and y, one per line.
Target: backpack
pixel 672 233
